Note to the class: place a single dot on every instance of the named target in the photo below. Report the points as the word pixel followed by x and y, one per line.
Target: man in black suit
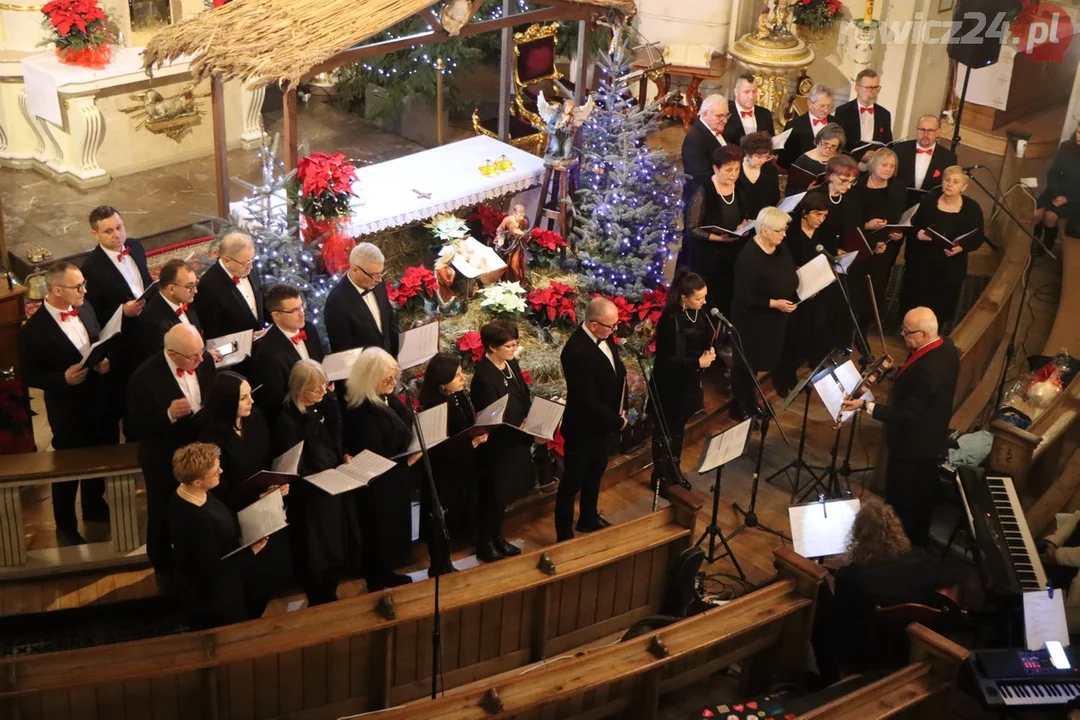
pixel 703 137
pixel 921 163
pixel 165 395
pixel 284 345
pixel 358 313
pixel 745 115
pixel 230 297
pixel 595 402
pixel 804 128
pixel 917 421
pixel 77 401
pixel 863 119
pixel 169 305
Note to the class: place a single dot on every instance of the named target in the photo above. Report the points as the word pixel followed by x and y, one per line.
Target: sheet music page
pixel 1044 618
pixel 789 203
pixel 337 365
pixel 814 277
pixel 906 218
pixel 780 140
pixel 821 529
pixel 418 345
pixel 333 481
pixel 493 413
pixel 845 260
pixel 544 417
pixel 725 447
pixel 433 426
pixel 243 340
pixel 831 393
pixel 367 466
pixel 260 519
pixel 289 461
pixel 111 328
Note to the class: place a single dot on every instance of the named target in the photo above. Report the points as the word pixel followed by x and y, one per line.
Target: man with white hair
pixel 804 128
pixel 230 295
pixel 358 312
pixel 595 408
pixel 917 421
pixel 164 397
pixel 704 136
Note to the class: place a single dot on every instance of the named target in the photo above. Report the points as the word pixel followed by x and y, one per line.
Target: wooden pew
pixel 370 651
pixel 766 631
pixel 926 682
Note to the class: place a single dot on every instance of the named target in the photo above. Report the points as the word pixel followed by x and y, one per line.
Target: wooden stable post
pixel 221 144
pixel 583 62
pixel 292 131
pixel 505 59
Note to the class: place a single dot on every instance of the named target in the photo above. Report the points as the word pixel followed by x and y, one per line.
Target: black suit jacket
pixel 800 140
pixel 221 307
pixel 921 405
pixel 45 353
pixel 733 131
pixel 942 158
pixel 847 116
pixel 272 360
pixel 349 323
pixel 106 288
pixel 154 321
pixel 697 149
pixel 151 389
pixel 594 391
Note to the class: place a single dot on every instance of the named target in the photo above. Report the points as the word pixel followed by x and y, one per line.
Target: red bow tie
pixel 124 252
pixel 181 310
pixel 235 280
pixel 180 372
pixel 866 109
pixel 920 151
pixel 816 121
pixel 746 113
pixel 65 314
pixel 298 337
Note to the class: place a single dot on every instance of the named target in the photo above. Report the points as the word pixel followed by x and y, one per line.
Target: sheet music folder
pixel 821 528
pixel 722 448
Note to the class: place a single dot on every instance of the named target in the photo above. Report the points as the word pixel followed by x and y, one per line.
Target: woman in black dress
pixel 714 207
pixel 453 462
pixel 377 420
pixel 1059 203
pixel 213 589
pixel 808 168
pixel 882 197
pixel 934 265
pixel 684 337
pixel 235 425
pixel 759 182
pixel 506 467
pixel 765 284
pixel 325 528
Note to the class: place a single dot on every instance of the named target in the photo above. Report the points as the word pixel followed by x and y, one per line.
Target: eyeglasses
pixel 192 358
pixel 848 180
pixel 512 345
pixel 290 312
pixel 609 327
pixel 374 276
pixel 830 147
pixel 870 87
pixel 904 332
pixel 192 286
pixel 928 130
pixel 319 389
pixel 81 287
pixel 249 263
pixel 391 378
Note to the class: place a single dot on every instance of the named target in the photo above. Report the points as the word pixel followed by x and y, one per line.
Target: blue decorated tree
pixel 628 207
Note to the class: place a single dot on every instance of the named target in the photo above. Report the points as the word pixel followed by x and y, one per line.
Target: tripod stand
pixel 661 433
pixel 845 468
pixel 750 518
pixel 712 454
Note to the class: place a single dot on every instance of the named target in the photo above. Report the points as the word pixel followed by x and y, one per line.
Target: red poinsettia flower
pixel 547 239
pixel 415 281
pixel 557 444
pixel 553 302
pixel 625 307
pixel 489 219
pixel 470 343
pixel 320 172
pixel 652 304
pixel 526 376
pixel 66 15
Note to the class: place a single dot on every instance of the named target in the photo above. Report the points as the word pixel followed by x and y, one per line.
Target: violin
pixel 874 373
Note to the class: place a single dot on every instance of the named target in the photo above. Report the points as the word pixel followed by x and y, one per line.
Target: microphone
pixel 832 258
pixel 972 168
pixel 715 312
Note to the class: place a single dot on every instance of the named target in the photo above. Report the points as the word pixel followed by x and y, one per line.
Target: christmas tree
pixel 629 205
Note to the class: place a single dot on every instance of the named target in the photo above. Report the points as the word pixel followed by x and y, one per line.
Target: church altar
pixel 443 179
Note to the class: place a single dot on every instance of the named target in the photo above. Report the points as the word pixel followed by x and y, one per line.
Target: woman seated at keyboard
pixel 1060 554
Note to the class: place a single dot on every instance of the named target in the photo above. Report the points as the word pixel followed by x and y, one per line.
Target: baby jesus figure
pixel 510 239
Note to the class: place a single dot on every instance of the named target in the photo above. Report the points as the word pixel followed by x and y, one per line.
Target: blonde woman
pixel 377 420
pixel 883 199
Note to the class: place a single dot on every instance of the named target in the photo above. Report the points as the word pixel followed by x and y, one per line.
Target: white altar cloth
pixel 450 174
pixel 44 75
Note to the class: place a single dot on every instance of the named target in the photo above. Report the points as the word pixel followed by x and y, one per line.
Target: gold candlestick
pixel 439 67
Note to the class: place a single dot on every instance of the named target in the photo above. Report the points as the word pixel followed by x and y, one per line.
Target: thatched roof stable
pixel 280 41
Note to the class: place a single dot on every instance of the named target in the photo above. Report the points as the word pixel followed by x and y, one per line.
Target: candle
pixel 868 16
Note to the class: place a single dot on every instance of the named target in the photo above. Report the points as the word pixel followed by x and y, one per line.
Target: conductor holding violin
pixel 917 421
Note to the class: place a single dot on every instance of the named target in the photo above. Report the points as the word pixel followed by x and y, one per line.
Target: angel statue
pixel 561 122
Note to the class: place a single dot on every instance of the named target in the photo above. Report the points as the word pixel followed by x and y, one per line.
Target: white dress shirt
pixel 866 122
pixel 244 286
pixel 183 316
pixel 718 135
pixel 922 164
pixel 301 346
pixel 372 303
pixel 604 347
pixel 73 327
pixel 749 124
pixel 189 385
pixel 128 270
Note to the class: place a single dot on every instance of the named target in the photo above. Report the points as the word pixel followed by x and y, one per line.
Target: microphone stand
pixel 864 346
pixel 661 426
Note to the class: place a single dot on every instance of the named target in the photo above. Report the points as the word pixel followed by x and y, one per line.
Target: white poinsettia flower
pixel 504 297
pixel 447 227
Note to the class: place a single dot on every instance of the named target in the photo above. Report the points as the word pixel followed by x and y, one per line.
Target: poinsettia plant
pixel 77 28
pixel 322 186
pixel 505 299
pixel 546 247
pixel 652 304
pixel 470 348
pixel 553 305
pixel 488 218
pixel 817 14
pixel 557 444
pixel 417 285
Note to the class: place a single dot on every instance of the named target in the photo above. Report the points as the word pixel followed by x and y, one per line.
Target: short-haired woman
pixel 765 284
pixel 234 424
pixel 377 420
pixel 950 225
pixel 811 165
pixel 684 337
pixel 714 207
pixel 325 527
pixel 506 467
pixel 213 589
pixel 760 180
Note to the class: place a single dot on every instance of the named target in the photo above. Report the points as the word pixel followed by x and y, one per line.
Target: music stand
pixel 716 452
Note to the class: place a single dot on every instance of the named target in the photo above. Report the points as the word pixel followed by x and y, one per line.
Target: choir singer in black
pixel 765 283
pixel 595 409
pixel 358 312
pixel 684 338
pixel 238 428
pixel 759 180
pixel 230 297
pixel 168 305
pixel 917 421
pixel 882 198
